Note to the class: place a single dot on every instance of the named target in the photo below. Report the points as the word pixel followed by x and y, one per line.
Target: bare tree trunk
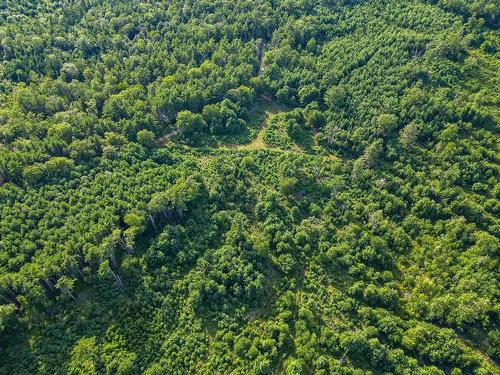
pixel 81 263
pixel 343 356
pixel 126 246
pixel 151 218
pixel 71 295
pixel 113 259
pixel 80 272
pixel 118 280
pixel 46 285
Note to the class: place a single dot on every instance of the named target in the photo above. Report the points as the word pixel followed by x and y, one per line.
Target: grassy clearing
pixel 260 115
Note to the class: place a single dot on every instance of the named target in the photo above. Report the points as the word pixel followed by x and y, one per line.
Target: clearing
pixel 264 109
pixel 253 136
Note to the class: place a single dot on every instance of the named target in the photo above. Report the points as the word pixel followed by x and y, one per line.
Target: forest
pixel 249 187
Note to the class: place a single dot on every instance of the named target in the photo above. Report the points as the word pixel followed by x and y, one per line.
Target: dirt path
pixel 264 110
pixel 258 143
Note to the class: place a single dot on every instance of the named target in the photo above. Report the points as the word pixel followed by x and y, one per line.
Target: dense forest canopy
pixel 249 187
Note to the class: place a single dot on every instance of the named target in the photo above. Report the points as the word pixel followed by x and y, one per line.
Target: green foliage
pixel 146 138
pixel 356 233
pixel 190 124
pixel 6 314
pixel 223 118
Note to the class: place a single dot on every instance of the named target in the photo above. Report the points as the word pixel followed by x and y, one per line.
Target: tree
pixel 6 315
pixel 66 284
pixel 134 218
pixel 57 167
pixel 105 271
pixel 136 222
pixel 125 104
pixel 372 153
pixel 69 72
pixel 84 357
pixel 369 158
pixel 243 97
pixel 314 118
pixel 33 174
pixel 408 135
pixel 62 131
pixel 146 138
pixel 82 149
pixel 222 118
pixel 288 185
pixel 385 123
pixel 191 125
pixel 294 366
pixel 308 94
pixel 337 98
